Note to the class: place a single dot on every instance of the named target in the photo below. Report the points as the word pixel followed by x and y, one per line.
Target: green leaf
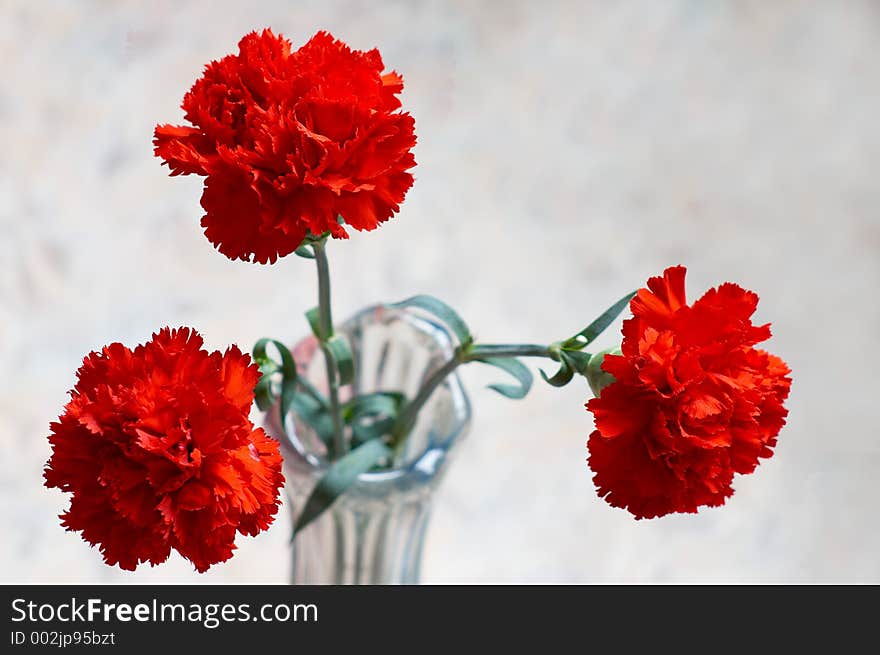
pixel 571 362
pixel 386 403
pixel 312 239
pixel 314 321
pixel 562 377
pixel 288 365
pixel 372 415
pixel 315 415
pixel 339 350
pixel 340 476
pixel 362 432
pixel 305 252
pixel 444 312
pixel 515 368
pixel 577 360
pixel 263 391
pixel 288 393
pixel 594 329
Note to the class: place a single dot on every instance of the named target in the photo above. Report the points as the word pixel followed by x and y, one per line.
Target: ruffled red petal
pixel 291 142
pixel 159 454
pixel 693 402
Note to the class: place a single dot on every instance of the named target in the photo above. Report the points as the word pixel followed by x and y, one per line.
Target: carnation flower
pixel 292 142
pixel 156 447
pixel 693 401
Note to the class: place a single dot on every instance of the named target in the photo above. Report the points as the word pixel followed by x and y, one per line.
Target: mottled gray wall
pixel 567 150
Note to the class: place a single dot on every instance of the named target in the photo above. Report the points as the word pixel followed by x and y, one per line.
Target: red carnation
pixel 156 447
pixel 693 402
pixel 290 142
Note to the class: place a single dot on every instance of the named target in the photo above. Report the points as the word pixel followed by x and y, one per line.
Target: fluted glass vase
pixel 374 533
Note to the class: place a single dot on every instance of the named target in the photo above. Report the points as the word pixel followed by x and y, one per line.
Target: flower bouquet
pixel 298 148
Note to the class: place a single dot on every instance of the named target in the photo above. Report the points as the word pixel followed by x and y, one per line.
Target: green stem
pixel 505 350
pixel 325 330
pixel 408 415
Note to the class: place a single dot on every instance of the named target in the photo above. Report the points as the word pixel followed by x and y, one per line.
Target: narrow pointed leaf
pixel 311 239
pixel 340 476
pixel 386 403
pixel 362 431
pixel 562 377
pixel 268 366
pixel 576 359
pixel 288 393
pixel 314 321
pixel 594 329
pixel 515 368
pixel 313 414
pixel 263 392
pixel 372 415
pixel 444 312
pixel 343 359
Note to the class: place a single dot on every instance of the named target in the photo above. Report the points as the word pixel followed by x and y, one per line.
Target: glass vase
pixel 374 533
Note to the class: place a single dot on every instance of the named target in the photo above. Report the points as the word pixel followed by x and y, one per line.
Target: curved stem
pixel 407 417
pixel 325 330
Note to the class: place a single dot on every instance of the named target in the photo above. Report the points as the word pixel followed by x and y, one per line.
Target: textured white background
pixel 567 150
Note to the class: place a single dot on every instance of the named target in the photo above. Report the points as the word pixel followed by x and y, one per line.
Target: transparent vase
pixel 374 533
